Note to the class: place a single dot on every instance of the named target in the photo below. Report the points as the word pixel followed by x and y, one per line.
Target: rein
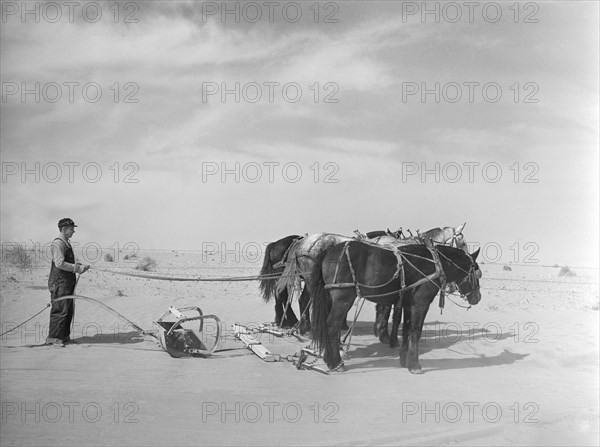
pixel 401 259
pixel 355 283
pixel 196 279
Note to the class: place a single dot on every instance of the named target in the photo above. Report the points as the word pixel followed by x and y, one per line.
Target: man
pixel 61 282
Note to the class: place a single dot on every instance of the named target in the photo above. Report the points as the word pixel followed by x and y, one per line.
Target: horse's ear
pixel 459 230
pixel 474 255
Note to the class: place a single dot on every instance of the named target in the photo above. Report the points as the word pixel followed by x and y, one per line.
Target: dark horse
pixel 273 265
pixel 379 274
pixel 448 236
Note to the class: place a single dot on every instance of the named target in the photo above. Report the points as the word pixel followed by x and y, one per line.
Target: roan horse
pixel 448 236
pixel 292 258
pixel 379 274
pixel 298 264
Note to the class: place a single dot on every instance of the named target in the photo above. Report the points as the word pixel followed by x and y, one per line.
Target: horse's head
pixel 469 286
pixel 454 237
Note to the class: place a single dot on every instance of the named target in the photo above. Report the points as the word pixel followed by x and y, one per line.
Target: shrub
pixel 18 256
pixel 147 264
pixel 507 268
pixel 108 257
pixel 566 271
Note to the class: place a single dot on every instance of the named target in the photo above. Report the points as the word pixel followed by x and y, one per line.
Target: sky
pixel 177 125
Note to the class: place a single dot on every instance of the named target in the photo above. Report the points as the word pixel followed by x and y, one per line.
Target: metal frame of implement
pixel 182 342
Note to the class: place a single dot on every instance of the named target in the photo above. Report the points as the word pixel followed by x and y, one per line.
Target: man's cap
pixel 66 222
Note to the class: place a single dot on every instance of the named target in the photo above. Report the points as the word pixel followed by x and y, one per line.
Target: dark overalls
pixel 61 283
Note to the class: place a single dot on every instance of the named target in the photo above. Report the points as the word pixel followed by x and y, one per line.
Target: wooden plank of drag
pixel 265 328
pixel 241 332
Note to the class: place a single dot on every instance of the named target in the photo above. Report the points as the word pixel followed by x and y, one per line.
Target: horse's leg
pixel 382 314
pixel 288 315
pixel 304 302
pixel 340 305
pixel 395 324
pixel 278 309
pixel 290 318
pixel 406 305
pixel 417 318
pixel 345 326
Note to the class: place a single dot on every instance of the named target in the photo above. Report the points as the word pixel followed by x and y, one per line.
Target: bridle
pixel 454 239
pixel 471 276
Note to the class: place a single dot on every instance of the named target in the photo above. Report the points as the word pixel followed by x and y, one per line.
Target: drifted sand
pixel 519 368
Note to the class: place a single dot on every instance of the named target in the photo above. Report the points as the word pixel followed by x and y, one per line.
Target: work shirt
pixel 59 247
pixel 62 279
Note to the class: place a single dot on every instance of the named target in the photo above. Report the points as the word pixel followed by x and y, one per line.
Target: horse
pixel 449 236
pixel 408 275
pixel 273 264
pixel 299 262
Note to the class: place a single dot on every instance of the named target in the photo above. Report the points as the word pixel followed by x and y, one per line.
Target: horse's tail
pixel 320 304
pixel 267 285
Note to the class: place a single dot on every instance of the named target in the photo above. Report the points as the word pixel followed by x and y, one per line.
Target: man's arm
pixel 58 256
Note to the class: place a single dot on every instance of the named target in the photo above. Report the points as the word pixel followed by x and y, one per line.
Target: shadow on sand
pixel 435 335
pixel 118 338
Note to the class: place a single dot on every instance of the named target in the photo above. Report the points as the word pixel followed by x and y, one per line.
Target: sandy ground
pixel 522 367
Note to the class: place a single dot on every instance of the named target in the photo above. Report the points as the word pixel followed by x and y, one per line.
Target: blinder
pixel 472 277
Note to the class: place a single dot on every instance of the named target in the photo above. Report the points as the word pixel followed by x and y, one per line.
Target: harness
pixel 286 253
pixel 401 259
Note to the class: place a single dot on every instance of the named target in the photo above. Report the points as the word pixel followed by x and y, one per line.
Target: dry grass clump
pixel 17 256
pixel 146 264
pixel 566 271
pixel 109 258
pixel 507 268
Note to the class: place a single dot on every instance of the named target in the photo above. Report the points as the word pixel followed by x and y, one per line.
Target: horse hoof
pixel 339 368
pixel 384 338
pixel 288 324
pixel 415 370
pixel 394 343
pixel 304 328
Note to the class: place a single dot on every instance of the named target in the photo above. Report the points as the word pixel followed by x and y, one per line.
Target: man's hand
pixel 81 268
